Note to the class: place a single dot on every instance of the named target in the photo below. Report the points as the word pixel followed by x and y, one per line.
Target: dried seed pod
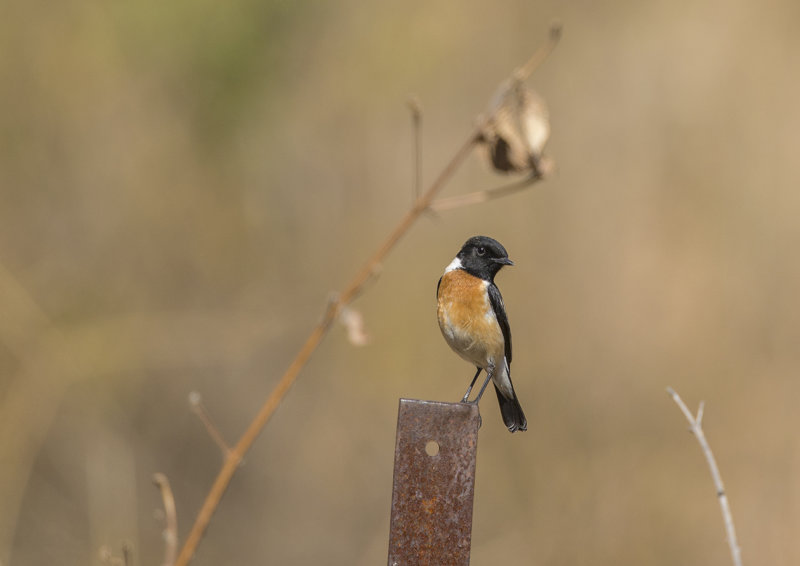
pixel 516 134
pixel 353 321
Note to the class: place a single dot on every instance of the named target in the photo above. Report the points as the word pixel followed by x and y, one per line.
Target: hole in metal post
pixel 432 448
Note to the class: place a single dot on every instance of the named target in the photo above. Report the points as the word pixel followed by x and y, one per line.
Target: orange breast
pixel 467 320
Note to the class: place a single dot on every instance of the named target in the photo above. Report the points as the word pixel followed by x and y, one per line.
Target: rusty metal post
pixel 434 483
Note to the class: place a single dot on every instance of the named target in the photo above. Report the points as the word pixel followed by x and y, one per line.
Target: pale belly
pixel 476 338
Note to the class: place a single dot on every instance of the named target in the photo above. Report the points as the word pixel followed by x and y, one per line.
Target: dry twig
pixel 333 310
pixel 541 54
pixel 479 197
pixel 695 425
pixel 199 409
pixel 171 530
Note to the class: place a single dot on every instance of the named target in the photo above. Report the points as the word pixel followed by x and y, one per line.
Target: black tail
pixel 512 412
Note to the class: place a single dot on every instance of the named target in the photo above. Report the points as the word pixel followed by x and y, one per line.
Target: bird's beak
pixel 503 261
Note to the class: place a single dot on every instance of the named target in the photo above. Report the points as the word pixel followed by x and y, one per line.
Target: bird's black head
pixel 483 257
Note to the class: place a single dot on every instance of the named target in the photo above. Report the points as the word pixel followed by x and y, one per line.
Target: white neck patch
pixel 455 264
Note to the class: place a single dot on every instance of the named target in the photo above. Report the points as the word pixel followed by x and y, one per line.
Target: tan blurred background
pixel 184 183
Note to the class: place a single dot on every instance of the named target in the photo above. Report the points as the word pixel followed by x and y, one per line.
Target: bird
pixel 473 321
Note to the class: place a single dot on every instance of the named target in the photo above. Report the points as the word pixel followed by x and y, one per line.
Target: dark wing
pixel 500 312
pixel 439 284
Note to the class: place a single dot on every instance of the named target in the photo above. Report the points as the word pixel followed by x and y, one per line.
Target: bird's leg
pixel 489 373
pixel 469 389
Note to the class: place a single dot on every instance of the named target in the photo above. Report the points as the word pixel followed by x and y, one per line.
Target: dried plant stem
pixel 541 54
pixel 695 425
pixel 351 291
pixel 171 531
pixel 483 196
pixel 199 409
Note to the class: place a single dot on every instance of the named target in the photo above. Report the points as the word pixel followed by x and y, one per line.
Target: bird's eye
pixel 481 251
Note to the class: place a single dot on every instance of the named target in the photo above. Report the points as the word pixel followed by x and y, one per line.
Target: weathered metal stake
pixel 434 483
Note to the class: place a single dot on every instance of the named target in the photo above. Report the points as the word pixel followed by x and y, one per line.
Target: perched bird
pixel 473 320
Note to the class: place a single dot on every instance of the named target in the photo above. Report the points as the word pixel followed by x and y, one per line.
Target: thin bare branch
pixel 485 195
pixel 199 409
pixel 334 308
pixel 541 54
pixel 695 425
pixel 171 530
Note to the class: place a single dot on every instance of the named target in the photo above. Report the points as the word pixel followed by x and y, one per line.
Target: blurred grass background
pixel 184 183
